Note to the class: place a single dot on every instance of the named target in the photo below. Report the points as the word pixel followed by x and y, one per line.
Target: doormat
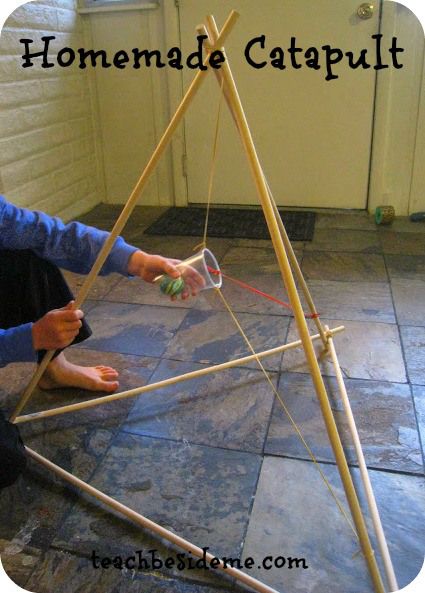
pixel 231 222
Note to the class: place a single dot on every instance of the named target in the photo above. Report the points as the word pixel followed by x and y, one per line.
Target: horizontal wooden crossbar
pixel 91 403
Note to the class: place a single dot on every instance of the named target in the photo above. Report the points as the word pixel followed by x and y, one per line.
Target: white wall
pixel 71 138
pixel 48 154
pixel 417 192
pixel 132 105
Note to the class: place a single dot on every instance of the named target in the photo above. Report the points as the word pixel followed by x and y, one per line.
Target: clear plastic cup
pixel 198 272
pixel 204 264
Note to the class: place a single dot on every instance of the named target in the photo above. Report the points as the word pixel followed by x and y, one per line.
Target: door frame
pixel 171 19
pixel 398 103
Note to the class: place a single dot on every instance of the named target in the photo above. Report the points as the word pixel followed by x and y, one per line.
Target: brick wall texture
pixel 48 151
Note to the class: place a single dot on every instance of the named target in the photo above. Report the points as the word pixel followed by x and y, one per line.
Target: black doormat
pixel 231 222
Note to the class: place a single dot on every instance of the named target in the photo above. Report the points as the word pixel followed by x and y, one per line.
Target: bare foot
pixel 62 373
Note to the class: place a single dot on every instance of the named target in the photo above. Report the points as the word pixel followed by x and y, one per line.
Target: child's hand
pixel 149 267
pixel 57 329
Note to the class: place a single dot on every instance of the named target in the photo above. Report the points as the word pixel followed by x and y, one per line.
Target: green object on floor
pixel 384 214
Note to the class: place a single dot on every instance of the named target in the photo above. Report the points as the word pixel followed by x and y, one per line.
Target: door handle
pixel 365 10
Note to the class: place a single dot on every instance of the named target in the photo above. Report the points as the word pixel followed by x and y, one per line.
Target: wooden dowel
pixel 202 30
pixel 129 206
pixel 373 507
pixel 296 267
pixel 150 525
pixel 91 403
pixel 300 320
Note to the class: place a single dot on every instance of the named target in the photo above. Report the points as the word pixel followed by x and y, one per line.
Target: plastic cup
pixel 199 271
pixel 201 267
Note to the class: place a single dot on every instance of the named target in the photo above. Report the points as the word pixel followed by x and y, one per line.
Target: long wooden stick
pixel 128 208
pixel 373 508
pixel 91 403
pixel 202 30
pixel 382 543
pixel 148 524
pixel 300 320
pixel 296 267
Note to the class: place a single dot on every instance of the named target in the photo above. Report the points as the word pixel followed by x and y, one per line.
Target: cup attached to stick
pixel 198 272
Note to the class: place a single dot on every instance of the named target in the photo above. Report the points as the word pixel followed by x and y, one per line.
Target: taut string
pixel 243 334
pixel 289 415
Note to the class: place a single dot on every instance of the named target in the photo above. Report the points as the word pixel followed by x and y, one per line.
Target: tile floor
pixel 216 459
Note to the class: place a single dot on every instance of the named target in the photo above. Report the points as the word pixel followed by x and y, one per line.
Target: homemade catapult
pixel 289 270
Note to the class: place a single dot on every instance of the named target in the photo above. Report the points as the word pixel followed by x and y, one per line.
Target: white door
pixel 313 136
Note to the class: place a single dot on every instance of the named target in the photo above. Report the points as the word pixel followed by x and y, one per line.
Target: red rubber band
pixel 259 292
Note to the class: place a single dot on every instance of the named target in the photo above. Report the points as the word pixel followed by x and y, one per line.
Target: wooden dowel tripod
pixel 285 257
pixel 291 289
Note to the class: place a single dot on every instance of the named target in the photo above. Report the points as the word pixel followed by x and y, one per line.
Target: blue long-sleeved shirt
pixel 72 246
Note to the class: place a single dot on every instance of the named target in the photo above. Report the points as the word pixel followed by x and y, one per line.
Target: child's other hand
pixel 57 329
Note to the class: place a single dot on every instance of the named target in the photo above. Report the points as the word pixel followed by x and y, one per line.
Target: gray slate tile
pixel 345 220
pixel 366 350
pixel 258 258
pixel 294 516
pixel 409 301
pixel 413 339
pixel 212 337
pixel 344 240
pixel 229 409
pixel 18 560
pixel 354 267
pixel 245 300
pixel 355 301
pixel 401 502
pixel 201 493
pixel 403 243
pixel 409 267
pixel 383 413
pixel 155 473
pixel 13 379
pixel 419 399
pixel 132 329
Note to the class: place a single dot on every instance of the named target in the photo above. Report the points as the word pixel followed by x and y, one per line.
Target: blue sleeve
pixel 72 246
pixel 16 345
